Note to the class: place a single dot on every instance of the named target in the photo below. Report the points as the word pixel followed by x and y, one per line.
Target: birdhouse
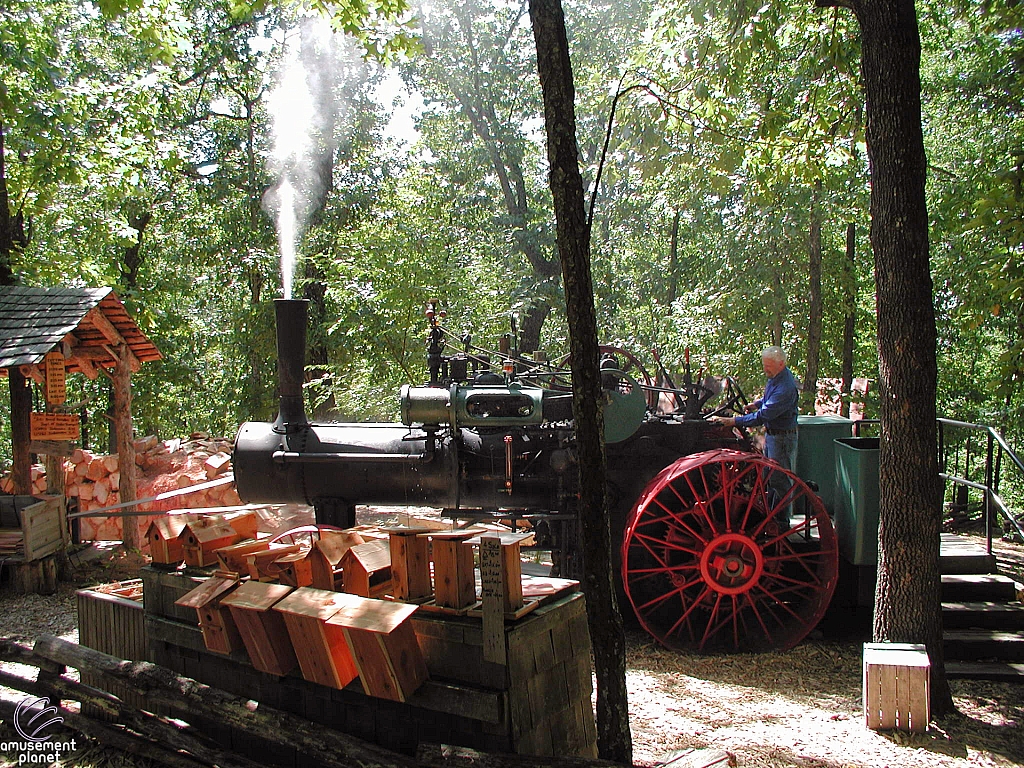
pixel 162 536
pixel 410 563
pixel 325 557
pixel 366 569
pixel 263 630
pixel 201 538
pixel 219 630
pixel 322 650
pixel 232 558
pixel 383 644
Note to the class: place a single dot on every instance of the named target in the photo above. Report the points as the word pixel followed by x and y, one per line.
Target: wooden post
pixel 122 384
pixel 21 408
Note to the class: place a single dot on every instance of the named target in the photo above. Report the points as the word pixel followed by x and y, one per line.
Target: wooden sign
pixel 56 379
pixel 54 426
pixel 492 594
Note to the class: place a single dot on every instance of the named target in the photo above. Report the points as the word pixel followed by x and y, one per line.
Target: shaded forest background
pixel 139 152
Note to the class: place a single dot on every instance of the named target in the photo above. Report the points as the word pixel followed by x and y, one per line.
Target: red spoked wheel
pixel 708 565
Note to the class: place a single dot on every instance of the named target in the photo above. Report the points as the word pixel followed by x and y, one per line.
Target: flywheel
pixel 726 552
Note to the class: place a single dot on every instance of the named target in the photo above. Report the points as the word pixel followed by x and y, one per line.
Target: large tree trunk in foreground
pixel 573 237
pixel 907 596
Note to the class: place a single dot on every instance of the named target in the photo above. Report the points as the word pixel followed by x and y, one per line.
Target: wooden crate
pixel 220 633
pixel 410 563
pixel 323 653
pixel 454 582
pixel 263 630
pixel 897 687
pixel 44 527
pixel 383 644
pixel 111 619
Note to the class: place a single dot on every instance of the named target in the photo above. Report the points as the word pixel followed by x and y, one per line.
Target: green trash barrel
pixel 815 453
pixel 856 516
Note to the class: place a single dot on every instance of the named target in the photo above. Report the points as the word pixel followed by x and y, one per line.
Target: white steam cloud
pixel 304 112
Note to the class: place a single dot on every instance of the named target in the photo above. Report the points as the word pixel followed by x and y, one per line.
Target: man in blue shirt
pixel 776 410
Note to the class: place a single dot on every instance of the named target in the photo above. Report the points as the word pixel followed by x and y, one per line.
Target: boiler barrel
pixel 359 463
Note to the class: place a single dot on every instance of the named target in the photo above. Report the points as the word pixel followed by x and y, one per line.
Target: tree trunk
pixel 907 595
pixel 814 313
pixel 122 396
pixel 850 320
pixel 573 238
pixel 21 410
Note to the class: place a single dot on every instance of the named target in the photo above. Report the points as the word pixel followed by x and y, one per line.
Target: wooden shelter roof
pixel 83 323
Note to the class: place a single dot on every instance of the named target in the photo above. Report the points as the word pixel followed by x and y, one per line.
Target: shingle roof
pixel 34 321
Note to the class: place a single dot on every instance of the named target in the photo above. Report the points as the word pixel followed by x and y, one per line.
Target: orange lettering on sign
pixel 54 426
pixel 56 379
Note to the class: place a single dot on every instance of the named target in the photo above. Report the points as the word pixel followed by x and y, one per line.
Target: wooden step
pixel 978 586
pixel 989 670
pixel 1004 616
pixel 978 644
pixel 962 554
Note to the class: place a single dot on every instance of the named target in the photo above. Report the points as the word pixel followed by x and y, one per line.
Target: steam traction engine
pixel 706 563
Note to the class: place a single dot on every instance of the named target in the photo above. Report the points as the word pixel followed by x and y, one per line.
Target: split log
pixel 96 469
pixel 186 698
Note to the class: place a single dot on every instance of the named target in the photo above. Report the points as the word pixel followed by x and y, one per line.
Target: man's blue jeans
pixel 782 450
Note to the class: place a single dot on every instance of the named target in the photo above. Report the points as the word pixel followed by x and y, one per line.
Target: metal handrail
pixel 990 487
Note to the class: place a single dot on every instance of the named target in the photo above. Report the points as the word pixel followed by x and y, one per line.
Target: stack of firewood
pixel 38 481
pixel 160 466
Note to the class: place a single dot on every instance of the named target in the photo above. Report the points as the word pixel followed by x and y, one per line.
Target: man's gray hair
pixel 774 353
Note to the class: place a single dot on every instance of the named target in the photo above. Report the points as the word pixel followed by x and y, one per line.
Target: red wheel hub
pixel 731 564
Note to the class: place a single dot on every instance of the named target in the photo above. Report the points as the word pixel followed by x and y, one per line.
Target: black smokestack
pixel 291 361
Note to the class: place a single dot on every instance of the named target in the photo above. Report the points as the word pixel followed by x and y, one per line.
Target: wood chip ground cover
pixel 773 710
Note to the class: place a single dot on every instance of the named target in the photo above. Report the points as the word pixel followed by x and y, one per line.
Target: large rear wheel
pixel 709 562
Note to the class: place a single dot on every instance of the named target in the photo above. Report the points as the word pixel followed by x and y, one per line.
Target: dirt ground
pixel 799 708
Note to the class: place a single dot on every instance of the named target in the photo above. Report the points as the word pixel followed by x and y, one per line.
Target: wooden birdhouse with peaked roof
pixel 163 537
pixel 366 569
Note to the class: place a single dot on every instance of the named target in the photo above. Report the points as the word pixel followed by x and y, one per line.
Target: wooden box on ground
pixel 896 687
pixel 219 630
pixel 111 619
pixel 323 653
pixel 263 630
pixel 383 644
pixel 45 528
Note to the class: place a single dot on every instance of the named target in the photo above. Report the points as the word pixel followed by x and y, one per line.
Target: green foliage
pixel 727 117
